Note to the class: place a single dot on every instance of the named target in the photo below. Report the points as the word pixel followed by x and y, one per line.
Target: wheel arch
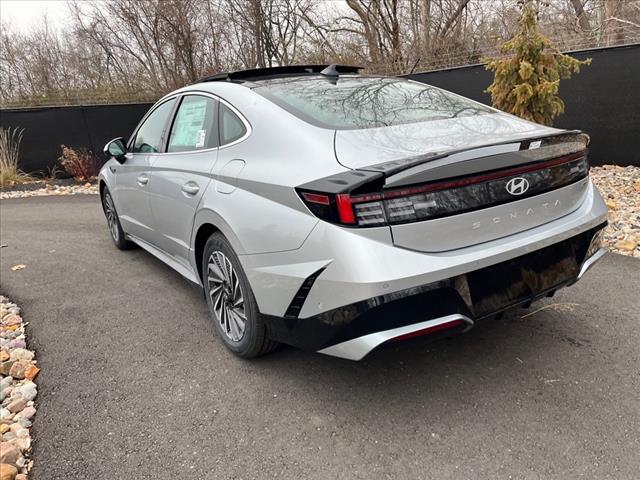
pixel 206 223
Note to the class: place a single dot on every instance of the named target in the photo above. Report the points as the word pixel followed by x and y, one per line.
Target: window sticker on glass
pixel 190 122
pixel 201 136
pixel 535 144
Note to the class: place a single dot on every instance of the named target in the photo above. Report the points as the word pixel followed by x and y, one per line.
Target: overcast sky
pixel 24 14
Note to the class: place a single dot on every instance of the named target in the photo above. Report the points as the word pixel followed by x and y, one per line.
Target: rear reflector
pixel 429 330
pixel 316 198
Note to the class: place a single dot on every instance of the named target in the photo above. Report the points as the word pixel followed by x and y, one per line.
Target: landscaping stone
pixel 620 188
pixel 5 367
pixel 28 391
pixel 54 187
pixel 9 453
pixel 21 354
pixel 19 368
pixel 8 472
pixel 17 393
pixel 26 414
pixel 31 372
pixel 16 342
pixel 11 320
pixel 16 405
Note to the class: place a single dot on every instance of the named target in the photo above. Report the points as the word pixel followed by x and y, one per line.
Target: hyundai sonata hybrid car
pixel 337 212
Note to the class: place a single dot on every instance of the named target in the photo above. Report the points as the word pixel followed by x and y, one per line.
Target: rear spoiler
pixel 460 162
pixel 396 166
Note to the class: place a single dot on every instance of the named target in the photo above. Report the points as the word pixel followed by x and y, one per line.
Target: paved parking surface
pixel 133 384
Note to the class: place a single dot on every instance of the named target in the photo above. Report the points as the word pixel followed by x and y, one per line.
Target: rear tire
pixel 232 307
pixel 113 222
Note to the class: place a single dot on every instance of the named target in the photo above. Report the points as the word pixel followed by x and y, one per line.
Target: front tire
pixel 232 307
pixel 113 222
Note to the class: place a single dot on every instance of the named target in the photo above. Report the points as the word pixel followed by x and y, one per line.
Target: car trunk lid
pixel 482 184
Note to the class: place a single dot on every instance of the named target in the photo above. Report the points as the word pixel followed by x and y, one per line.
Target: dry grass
pixel 80 163
pixel 10 174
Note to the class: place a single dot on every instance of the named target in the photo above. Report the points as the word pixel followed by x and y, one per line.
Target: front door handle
pixel 190 188
pixel 143 179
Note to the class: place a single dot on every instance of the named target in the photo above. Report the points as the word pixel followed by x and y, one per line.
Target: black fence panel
pixel 603 100
pixel 45 129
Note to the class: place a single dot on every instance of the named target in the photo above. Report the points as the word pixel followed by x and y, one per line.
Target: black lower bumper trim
pixel 477 295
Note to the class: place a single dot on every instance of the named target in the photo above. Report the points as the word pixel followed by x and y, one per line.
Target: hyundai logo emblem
pixel 517 186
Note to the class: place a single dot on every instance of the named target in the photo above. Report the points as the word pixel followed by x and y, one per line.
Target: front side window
pixel 231 127
pixel 366 102
pixel 149 135
pixel 195 126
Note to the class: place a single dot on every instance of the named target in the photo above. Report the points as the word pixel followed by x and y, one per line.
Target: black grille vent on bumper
pixel 298 301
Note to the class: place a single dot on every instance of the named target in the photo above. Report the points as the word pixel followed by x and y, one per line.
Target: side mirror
pixel 116 149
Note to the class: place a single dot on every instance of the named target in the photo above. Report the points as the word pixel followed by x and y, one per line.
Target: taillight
pixel 435 199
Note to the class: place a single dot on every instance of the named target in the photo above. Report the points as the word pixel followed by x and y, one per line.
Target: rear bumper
pixel 359 264
pixel 454 304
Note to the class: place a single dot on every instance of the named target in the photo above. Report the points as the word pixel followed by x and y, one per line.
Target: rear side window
pixel 366 102
pixel 149 135
pixel 195 126
pixel 231 127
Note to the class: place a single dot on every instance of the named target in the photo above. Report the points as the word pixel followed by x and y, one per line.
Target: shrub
pixel 80 163
pixel 10 139
pixel 526 81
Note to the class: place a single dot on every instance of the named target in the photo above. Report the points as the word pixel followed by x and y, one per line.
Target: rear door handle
pixel 143 179
pixel 190 188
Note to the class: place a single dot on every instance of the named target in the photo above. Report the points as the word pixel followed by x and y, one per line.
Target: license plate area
pixel 497 287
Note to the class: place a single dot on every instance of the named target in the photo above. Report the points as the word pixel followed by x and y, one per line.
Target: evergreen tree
pixel 527 76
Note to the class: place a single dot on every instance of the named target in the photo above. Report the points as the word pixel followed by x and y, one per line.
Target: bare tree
pixel 121 50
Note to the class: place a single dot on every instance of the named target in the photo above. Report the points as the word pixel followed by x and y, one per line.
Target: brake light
pixel 345 209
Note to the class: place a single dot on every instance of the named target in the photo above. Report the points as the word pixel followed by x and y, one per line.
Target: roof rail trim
pixel 271 72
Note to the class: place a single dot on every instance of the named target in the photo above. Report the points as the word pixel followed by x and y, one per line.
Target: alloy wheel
pixel 226 296
pixel 112 218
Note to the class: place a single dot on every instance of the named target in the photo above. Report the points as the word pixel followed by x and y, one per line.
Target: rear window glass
pixel 366 102
pixel 231 127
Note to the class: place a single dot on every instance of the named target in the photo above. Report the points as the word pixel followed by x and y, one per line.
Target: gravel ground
pixel 17 393
pixel 620 188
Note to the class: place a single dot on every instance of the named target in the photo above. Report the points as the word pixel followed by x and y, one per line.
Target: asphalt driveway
pixel 134 385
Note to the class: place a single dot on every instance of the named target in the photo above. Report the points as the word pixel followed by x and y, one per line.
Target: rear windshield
pixel 366 102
